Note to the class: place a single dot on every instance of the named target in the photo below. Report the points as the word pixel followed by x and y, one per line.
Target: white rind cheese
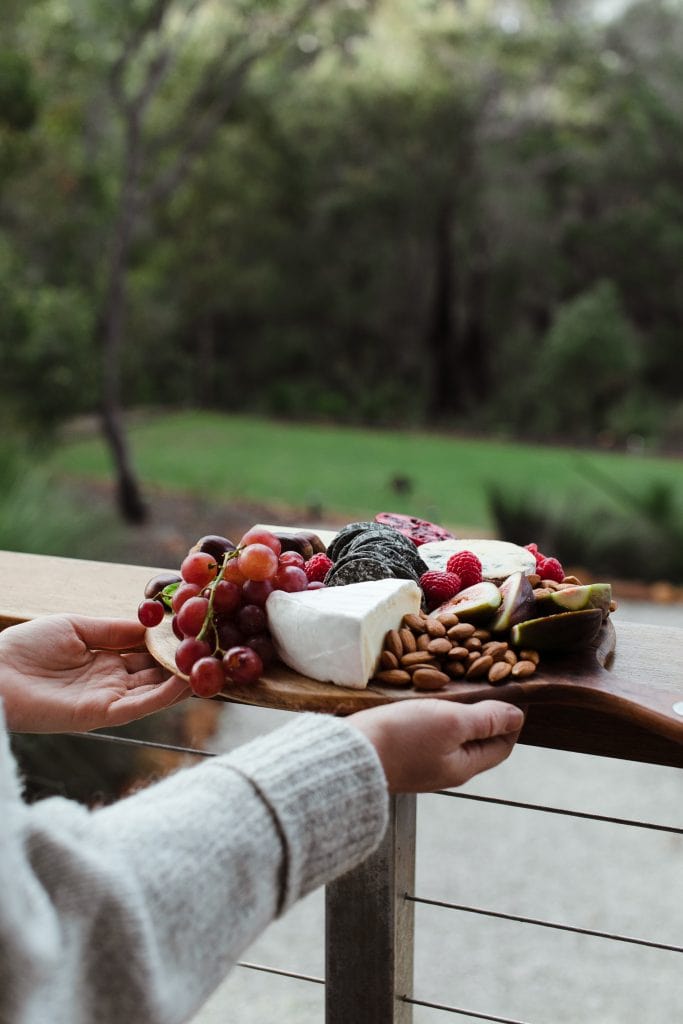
pixel 499 558
pixel 336 634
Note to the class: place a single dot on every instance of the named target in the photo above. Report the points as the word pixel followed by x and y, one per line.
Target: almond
pixel 393 643
pixel 388 660
pixel 449 619
pixel 510 657
pixel 408 640
pixel 393 677
pixel 481 634
pixel 458 654
pixel 455 669
pixel 440 645
pixel 574 580
pixel 461 631
pixel 473 643
pixel 423 641
pixel 429 679
pixel 479 667
pixel 527 655
pixel 434 627
pixel 415 622
pixel 417 658
pixel 496 648
pixel 498 672
pixel 523 669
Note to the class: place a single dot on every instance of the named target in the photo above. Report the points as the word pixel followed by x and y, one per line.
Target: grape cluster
pixel 218 605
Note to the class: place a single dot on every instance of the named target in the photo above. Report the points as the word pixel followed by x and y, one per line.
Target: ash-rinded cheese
pixel 499 558
pixel 336 634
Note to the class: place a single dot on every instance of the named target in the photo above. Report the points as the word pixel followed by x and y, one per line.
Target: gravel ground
pixel 587 874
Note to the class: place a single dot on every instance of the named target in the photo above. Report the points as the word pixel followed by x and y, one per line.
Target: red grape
pixel 150 612
pixel 257 535
pixel 228 635
pixel 176 628
pixel 257 562
pixel 184 592
pixel 264 647
pixel 242 665
pixel 207 677
pixel 226 596
pixel 215 546
pixel 257 591
pixel 192 615
pixel 252 619
pixel 291 579
pixel 233 574
pixel 188 651
pixel 291 558
pixel 199 567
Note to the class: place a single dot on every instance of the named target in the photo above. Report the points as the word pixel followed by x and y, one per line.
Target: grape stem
pixel 212 587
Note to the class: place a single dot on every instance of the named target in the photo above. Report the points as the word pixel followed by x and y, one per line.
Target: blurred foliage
pixel 617 533
pixel 37 514
pixel 468 214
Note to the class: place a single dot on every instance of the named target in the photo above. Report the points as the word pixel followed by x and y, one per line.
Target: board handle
pixel 648 706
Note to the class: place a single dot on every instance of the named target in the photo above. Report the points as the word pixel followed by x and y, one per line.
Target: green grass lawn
pixel 349 471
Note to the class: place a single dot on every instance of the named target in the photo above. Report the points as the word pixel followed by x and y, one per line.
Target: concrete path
pixel 588 874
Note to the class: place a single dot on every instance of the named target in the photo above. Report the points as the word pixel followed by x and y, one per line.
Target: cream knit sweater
pixel 136 912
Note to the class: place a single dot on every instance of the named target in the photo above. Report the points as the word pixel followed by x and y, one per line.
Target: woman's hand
pixel 73 673
pixel 426 744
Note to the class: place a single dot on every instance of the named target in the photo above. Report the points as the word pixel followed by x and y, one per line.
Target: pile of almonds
pixel 428 651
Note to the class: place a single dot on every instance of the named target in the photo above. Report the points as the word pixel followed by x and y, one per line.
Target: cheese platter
pixel 381 623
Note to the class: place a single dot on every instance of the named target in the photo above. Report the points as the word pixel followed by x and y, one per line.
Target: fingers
pixel 145 701
pixel 152 676
pixel 486 720
pixel 108 634
pixel 480 755
pixel 138 661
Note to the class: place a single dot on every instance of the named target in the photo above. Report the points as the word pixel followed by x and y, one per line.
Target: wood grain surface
pixel 642 691
pixel 624 710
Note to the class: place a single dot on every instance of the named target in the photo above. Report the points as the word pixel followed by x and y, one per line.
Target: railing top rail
pixel 44 584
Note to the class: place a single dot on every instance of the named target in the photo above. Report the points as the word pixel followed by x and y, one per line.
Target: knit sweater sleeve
pixel 135 912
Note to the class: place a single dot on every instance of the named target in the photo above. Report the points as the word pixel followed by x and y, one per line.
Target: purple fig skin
pixel 517 605
pixel 559 634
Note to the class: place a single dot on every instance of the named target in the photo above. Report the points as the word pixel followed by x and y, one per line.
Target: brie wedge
pixel 499 558
pixel 336 634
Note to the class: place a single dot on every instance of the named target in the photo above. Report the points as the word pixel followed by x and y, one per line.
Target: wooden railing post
pixel 369 930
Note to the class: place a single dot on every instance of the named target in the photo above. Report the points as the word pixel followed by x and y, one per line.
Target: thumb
pixel 488 719
pixel 488 733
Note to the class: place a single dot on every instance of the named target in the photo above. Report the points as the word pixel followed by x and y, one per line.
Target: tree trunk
pixel 111 329
pixel 443 391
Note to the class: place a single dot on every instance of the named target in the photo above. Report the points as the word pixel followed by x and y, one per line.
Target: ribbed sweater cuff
pixel 326 789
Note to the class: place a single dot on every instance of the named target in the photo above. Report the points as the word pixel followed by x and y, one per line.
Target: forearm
pixel 143 906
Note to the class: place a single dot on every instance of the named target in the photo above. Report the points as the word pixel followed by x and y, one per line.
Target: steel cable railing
pixel 444 904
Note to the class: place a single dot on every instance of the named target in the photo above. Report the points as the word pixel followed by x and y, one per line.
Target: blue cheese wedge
pixel 499 558
pixel 336 634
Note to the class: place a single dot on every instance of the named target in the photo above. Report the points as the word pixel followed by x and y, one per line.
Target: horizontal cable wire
pixel 463 1013
pixel 281 972
pixel 128 741
pixel 561 810
pixel 545 924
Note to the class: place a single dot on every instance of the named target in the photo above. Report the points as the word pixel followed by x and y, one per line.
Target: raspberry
pixel 317 568
pixel 467 566
pixel 533 548
pixel 439 586
pixel 550 569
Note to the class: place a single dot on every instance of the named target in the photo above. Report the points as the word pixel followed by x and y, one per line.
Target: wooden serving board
pixel 643 691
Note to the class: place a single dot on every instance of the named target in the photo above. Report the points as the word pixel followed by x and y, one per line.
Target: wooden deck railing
pixel 369 933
